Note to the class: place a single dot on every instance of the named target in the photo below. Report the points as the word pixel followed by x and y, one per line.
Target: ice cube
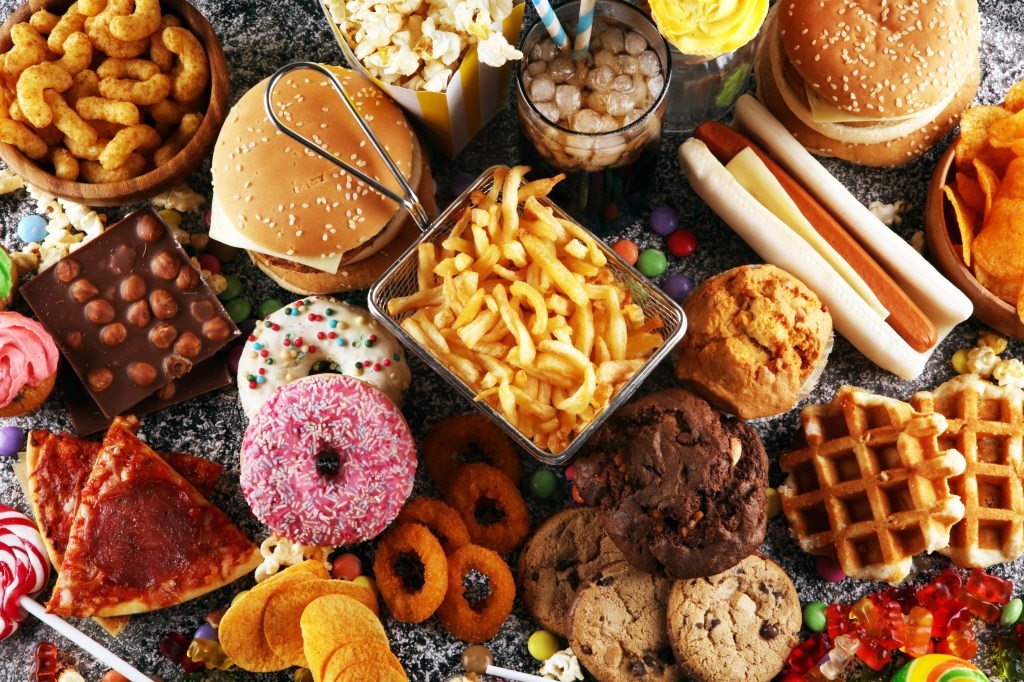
pixel 623 83
pixel 580 77
pixel 536 68
pixel 567 98
pixel 631 116
pixel 629 64
pixel 595 38
pixel 609 123
pixel 542 89
pixel 619 103
pixel 655 85
pixel 635 43
pixel 600 79
pixel 598 101
pixel 548 110
pixel 527 79
pixel 649 63
pixel 561 69
pixel 587 121
pixel 612 39
pixel 544 51
pixel 606 58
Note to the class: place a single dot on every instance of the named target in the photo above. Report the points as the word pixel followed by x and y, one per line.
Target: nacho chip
pixel 989 181
pixel 974 125
pixel 331 621
pixel 966 221
pixel 1015 97
pixel 281 621
pixel 970 191
pixel 1005 132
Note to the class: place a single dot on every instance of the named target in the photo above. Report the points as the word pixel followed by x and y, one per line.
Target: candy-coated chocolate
pixel 542 484
pixel 32 228
pixel 238 596
pixel 814 616
pixel 939 668
pixel 959 360
pixel 207 631
pixel 270 306
pixel 209 262
pixel 682 243
pixel 678 287
pixel 367 582
pixel 651 262
pixel 170 216
pixel 232 357
pixel 570 472
pixel 347 566
pixel 664 220
pixel 542 645
pixel 232 289
pixel 238 309
pixel 828 569
pixel 627 250
pixel 476 658
pixel 1011 612
pixel 12 440
pixel 576 495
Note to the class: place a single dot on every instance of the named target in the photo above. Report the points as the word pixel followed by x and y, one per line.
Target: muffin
pixel 757 339
pixel 8 279
pixel 28 364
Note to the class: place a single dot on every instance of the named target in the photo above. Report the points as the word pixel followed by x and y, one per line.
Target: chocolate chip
pixel 165 265
pixel 113 334
pixel 650 661
pixel 138 314
pixel 163 335
pixel 83 290
pixel 202 310
pixel 216 329
pixel 163 304
pixel 167 392
pixel 535 576
pixel 100 379
pixel 713 624
pixel 142 373
pixel 637 668
pixel 67 270
pixel 177 366
pixel 768 630
pixel 605 580
pixel 187 277
pixel 587 650
pixel 149 228
pixel 133 288
pixel 99 312
pixel 188 344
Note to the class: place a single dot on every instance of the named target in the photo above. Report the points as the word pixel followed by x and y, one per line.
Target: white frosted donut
pixel 319 333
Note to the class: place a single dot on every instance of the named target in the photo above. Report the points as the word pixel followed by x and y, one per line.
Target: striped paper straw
pixel 583 28
pixel 551 23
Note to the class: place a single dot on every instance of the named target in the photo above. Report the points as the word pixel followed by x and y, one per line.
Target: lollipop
pixel 24 571
pixel 477 659
pixel 939 668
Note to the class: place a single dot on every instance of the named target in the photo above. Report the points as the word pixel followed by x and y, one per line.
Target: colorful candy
pixel 987 587
pixel 829 570
pixel 347 566
pixel 542 645
pixel 939 668
pixel 1011 612
pixel 206 652
pixel 12 441
pixel 627 250
pixel 175 646
pixel 46 663
pixel 232 289
pixel 664 220
pixel 170 216
pixel 32 228
pixel 678 287
pixel 207 261
pixel 269 306
pixel 238 309
pixel 919 632
pixel 682 243
pixel 807 653
pixel 542 484
pixel 24 567
pixel 962 642
pixel 651 263
pixel 814 616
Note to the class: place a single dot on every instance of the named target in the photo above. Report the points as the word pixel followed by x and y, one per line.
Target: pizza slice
pixel 144 538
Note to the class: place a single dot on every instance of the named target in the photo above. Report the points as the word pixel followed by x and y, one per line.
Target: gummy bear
pixel 980 608
pixel 174 646
pixel 807 653
pixel 843 650
pixel 838 618
pixel 948 617
pixel 989 588
pixel 891 626
pixel 872 652
pixel 905 596
pixel 918 632
pixel 209 653
pixel 867 617
pixel 45 668
pixel 961 642
pixel 943 588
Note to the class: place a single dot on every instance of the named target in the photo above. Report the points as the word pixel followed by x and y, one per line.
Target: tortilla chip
pixel 966 221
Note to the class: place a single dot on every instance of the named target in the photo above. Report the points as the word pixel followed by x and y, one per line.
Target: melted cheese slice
pixel 755 177
pixel 822 111
pixel 223 230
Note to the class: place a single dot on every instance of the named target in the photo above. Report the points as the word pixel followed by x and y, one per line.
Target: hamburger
pixel 310 226
pixel 875 82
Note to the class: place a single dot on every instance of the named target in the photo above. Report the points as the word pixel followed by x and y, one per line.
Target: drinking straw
pixel 583 28
pixel 551 23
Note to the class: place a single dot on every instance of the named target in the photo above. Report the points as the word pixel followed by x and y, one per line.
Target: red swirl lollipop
pixel 24 568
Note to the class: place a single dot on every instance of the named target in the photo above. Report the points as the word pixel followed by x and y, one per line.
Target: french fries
pixel 520 305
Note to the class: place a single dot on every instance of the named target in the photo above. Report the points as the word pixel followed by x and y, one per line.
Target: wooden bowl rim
pixel 161 178
pixel 989 308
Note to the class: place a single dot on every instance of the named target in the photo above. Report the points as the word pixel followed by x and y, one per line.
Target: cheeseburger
pixel 311 226
pixel 875 82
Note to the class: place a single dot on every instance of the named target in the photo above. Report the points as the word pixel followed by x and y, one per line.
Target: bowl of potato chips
pixel 974 219
pixel 107 102
pixel 526 313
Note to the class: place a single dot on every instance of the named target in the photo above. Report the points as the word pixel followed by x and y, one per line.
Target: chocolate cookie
pixel 617 626
pixel 681 487
pixel 737 626
pixel 567 548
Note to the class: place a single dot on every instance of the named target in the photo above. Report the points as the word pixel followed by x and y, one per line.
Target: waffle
pixel 986 425
pixel 871 487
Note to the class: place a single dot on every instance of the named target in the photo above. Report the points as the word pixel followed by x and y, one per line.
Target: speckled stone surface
pixel 260 36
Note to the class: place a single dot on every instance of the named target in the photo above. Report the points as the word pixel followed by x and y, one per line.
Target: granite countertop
pixel 258 37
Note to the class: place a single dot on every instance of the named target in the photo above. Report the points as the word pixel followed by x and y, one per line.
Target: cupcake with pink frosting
pixel 28 364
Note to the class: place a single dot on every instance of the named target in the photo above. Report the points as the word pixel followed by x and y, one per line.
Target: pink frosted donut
pixel 327 461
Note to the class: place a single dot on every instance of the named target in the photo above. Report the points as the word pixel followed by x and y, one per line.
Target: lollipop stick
pixel 514 675
pixel 551 23
pixel 583 28
pixel 98 651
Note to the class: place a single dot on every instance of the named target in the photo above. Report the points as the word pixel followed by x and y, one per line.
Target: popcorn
pixel 562 666
pixel 987 337
pixel 10 181
pixel 418 43
pixel 279 552
pixel 181 198
pixel 1009 373
pixel 890 214
pixel 982 361
pixel 69 226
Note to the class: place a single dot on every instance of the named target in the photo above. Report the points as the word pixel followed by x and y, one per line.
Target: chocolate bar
pixel 207 376
pixel 129 311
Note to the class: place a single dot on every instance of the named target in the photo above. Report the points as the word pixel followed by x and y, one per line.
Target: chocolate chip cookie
pixel 681 487
pixel 737 626
pixel 617 626
pixel 564 550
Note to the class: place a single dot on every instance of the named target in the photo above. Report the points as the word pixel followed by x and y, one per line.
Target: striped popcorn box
pixel 475 94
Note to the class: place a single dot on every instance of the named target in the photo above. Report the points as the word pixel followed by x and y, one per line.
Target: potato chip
pixel 989 182
pixel 966 221
pixel 366 656
pixel 974 125
pixel 1005 132
pixel 970 191
pixel 998 249
pixel 281 620
pixel 331 621
pixel 310 567
pixel 1015 97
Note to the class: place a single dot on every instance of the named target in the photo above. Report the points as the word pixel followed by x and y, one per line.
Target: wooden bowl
pixel 159 179
pixel 945 245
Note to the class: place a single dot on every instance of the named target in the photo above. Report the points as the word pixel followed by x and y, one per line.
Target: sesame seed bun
pixel 904 71
pixel 285 200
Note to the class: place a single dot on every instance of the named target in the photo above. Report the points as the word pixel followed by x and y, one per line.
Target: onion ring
pixel 443 521
pixel 491 506
pixel 465 434
pixel 412 572
pixel 481 622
